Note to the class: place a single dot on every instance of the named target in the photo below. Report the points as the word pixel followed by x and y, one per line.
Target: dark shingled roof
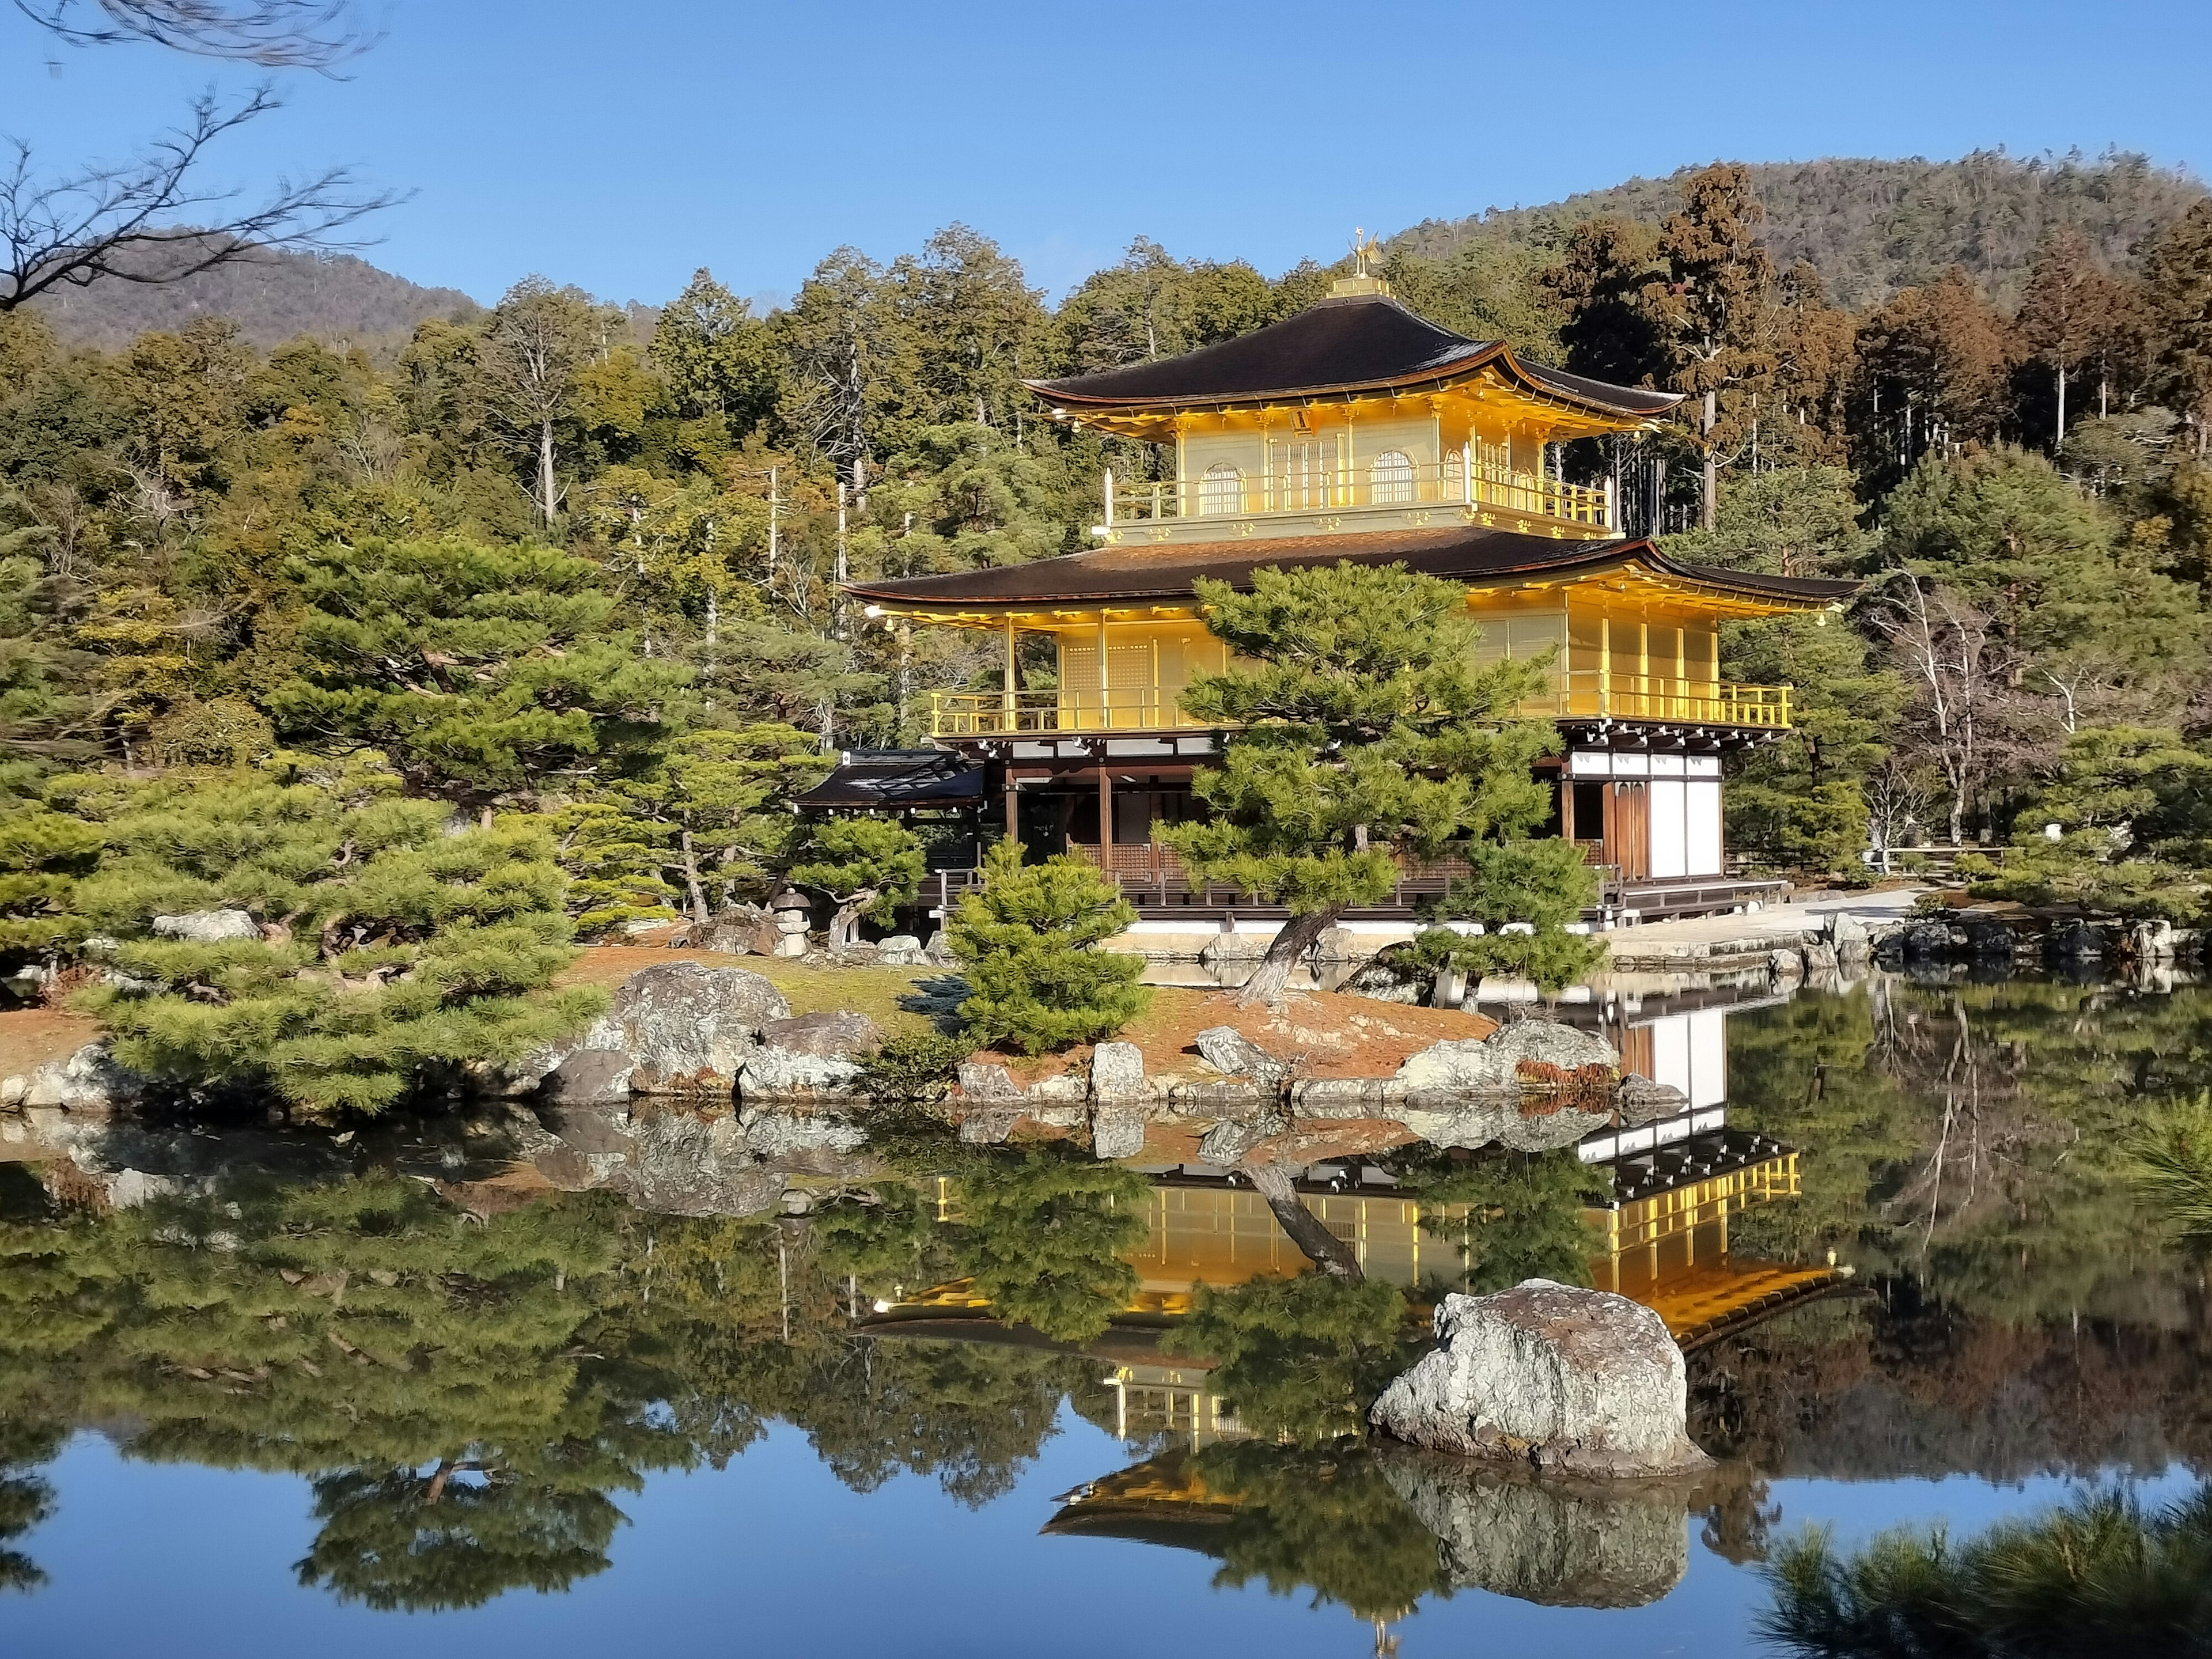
pixel 893 780
pixel 1351 344
pixel 1164 572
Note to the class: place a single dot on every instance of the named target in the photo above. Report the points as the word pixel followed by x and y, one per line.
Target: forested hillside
pixel 1874 227
pixel 277 295
pixel 534 625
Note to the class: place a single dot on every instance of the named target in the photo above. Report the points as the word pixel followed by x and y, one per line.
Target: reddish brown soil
pixel 1324 1033
pixel 31 1037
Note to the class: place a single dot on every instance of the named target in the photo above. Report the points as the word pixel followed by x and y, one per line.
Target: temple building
pixel 1356 431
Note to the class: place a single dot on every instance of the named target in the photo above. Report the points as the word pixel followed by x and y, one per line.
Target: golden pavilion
pixel 1356 430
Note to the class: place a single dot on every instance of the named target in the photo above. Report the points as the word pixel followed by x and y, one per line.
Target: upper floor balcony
pixel 1300 495
pixel 1574 694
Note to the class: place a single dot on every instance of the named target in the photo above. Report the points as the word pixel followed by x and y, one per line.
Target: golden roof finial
pixel 1366 250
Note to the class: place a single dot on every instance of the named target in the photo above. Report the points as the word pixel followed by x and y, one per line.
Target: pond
pixel 282 1396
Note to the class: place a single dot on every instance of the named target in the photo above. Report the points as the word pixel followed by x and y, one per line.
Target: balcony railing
pixel 1482 483
pixel 1579 694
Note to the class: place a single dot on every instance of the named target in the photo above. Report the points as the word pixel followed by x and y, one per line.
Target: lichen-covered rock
pixel 1117 1132
pixel 742 930
pixel 89 1083
pixel 208 926
pixel 1546 1374
pixel 589 1076
pixel 1475 1066
pixel 1227 1049
pixel 1559 1543
pixel 980 1080
pixel 684 1027
pixel 903 950
pixel 1117 1070
pixel 813 1053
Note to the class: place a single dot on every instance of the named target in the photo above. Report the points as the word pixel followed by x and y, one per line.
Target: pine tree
pixel 1029 940
pixel 483 672
pixel 1364 733
pixel 394 950
pixel 865 866
pixel 2176 283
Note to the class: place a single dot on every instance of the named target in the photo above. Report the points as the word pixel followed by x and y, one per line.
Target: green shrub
pixel 1028 940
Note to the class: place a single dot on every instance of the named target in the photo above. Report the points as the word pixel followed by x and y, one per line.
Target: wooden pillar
pixel 1604 662
pixel 1644 664
pixel 1105 813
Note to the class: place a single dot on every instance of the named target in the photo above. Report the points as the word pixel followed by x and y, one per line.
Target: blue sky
pixel 620 146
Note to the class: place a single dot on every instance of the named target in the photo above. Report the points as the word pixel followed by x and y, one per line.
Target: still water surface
pixel 418 1395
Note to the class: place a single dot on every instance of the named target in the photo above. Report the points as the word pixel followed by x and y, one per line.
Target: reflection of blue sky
pixel 772 1556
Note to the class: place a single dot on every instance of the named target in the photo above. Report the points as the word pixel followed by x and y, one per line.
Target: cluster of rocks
pixel 2026 939
pixel 1464 1092
pixel 782 927
pixel 683 1029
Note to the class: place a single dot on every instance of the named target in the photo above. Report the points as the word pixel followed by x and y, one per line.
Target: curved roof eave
pixel 1553 385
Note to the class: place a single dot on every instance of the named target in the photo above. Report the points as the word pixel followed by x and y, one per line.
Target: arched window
pixel 1391 475
pixel 1221 490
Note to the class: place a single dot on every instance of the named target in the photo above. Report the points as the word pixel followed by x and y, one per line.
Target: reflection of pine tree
pixel 1511 1216
pixel 1300 1358
pixel 466 1531
pixel 26 1499
pixel 1324 1521
pixel 1042 1235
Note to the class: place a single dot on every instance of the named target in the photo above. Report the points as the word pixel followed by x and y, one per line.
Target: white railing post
pixel 1467 471
pixel 1109 498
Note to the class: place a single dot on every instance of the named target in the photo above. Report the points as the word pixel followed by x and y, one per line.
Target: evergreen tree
pixel 2178 289
pixel 1301 1359
pixel 393 953
pixel 1029 940
pixel 1710 304
pixel 484 671
pixel 1042 1235
pixel 1365 733
pixel 865 866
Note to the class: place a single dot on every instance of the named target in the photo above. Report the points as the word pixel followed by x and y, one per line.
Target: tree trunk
pixel 847 920
pixel 1711 485
pixel 1320 1246
pixel 1270 980
pixel 2062 405
pixel 691 887
pixel 545 501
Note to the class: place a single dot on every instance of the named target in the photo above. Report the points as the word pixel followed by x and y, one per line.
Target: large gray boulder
pixel 1547 1375
pixel 684 1028
pixel 1562 1543
pixel 811 1055
pixel 208 926
pixel 1473 1066
pixel 1227 1049
pixel 89 1083
pixel 1117 1070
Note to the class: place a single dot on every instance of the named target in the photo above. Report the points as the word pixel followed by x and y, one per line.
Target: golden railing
pixel 1579 694
pixel 1326 487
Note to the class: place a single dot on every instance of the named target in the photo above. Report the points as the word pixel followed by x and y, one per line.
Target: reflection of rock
pixel 1548 1374
pixel 1227 1141
pixel 680 1164
pixel 775 1134
pixel 1117 1132
pixel 1485 1120
pixel 813 1053
pixel 1561 1543
pixel 1639 1100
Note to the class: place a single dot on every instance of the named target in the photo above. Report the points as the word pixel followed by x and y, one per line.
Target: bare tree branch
pixel 131 221
pixel 317 34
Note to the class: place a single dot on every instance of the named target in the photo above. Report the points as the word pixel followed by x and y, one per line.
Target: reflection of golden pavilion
pixel 1662 1240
